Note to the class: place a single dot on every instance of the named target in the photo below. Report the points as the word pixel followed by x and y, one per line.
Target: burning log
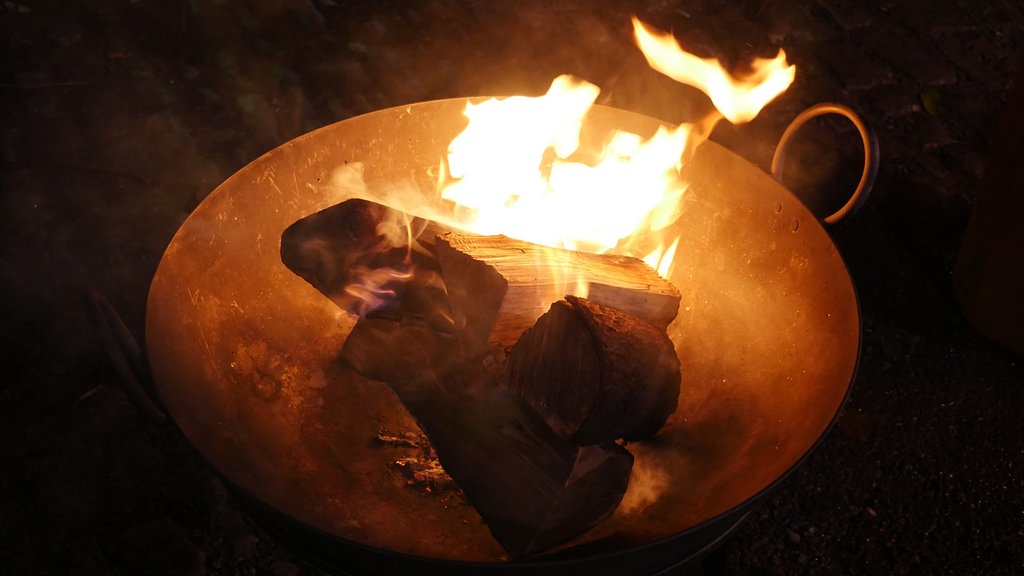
pixel 596 373
pixel 498 286
pixel 533 488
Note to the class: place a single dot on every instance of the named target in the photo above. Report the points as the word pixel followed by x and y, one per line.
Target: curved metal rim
pixel 868 174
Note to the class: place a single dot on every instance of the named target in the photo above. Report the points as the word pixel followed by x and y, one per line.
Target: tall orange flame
pixel 514 169
pixel 514 175
pixel 739 99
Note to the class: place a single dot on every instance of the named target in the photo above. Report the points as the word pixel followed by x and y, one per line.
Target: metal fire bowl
pixel 244 353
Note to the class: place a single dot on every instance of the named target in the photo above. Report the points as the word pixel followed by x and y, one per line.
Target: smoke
pixel 646 485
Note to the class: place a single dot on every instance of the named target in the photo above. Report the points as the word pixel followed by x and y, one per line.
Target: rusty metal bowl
pixel 244 355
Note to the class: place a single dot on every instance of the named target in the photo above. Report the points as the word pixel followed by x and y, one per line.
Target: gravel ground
pixel 119 117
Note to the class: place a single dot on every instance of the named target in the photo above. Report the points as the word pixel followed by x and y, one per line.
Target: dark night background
pixel 120 116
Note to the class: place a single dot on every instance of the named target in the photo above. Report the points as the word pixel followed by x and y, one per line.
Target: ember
pixel 423 471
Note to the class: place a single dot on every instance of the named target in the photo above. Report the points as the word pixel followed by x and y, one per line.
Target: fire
pixel 739 99
pixel 515 170
pixel 515 174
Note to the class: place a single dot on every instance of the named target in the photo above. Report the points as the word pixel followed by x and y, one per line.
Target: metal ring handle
pixel 867 177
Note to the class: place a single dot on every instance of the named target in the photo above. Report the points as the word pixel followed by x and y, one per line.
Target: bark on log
pixel 498 286
pixel 533 488
pixel 595 373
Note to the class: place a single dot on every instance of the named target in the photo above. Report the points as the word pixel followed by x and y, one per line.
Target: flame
pixel 661 259
pixel 517 168
pixel 739 99
pixel 514 173
pixel 372 288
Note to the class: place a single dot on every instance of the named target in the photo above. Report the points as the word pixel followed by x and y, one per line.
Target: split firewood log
pixel 596 373
pixel 532 487
pixel 499 286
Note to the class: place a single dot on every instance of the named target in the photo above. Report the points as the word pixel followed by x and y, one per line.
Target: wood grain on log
pixel 498 286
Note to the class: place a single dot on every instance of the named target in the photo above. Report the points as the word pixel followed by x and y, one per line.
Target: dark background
pixel 119 117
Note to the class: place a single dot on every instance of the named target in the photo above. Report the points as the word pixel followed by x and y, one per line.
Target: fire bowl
pixel 245 356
